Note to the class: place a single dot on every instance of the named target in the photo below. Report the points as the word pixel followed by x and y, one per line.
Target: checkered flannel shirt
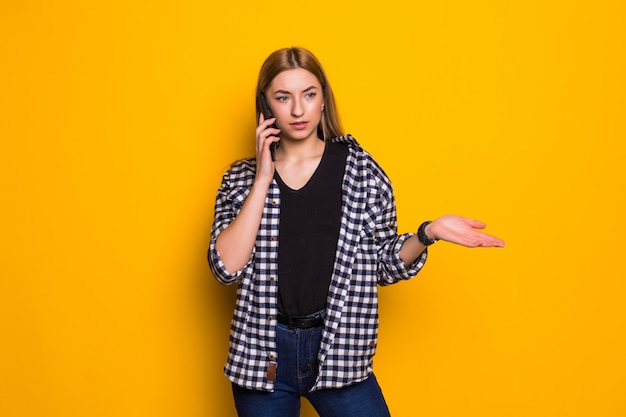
pixel 367 254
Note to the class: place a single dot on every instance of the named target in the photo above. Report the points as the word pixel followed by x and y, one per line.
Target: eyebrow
pixel 312 87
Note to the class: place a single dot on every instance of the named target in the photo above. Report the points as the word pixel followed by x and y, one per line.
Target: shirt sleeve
pixel 391 268
pixel 228 202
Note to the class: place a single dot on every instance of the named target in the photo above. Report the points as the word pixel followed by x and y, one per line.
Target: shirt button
pixel 273 202
pixel 272 278
pixel 272 356
pixel 272 238
pixel 270 318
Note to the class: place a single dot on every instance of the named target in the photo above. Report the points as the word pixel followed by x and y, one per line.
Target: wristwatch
pixel 421 234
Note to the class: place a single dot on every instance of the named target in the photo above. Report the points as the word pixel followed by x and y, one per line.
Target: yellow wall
pixel 117 120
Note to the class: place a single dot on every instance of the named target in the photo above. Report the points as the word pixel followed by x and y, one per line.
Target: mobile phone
pixel 268 115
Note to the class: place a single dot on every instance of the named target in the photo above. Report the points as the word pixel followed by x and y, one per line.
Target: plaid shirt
pixel 367 254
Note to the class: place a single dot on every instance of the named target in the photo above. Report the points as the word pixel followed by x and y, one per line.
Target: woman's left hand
pixel 462 231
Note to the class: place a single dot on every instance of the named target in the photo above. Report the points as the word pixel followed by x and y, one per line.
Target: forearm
pixel 236 243
pixel 411 249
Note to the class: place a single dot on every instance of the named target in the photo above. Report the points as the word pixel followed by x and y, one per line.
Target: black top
pixel 310 219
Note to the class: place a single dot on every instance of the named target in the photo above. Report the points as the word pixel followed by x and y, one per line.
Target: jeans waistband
pixel 302 322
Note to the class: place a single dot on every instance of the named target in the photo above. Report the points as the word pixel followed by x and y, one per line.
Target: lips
pixel 299 125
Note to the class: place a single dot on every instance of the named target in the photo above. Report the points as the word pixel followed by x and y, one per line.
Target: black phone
pixel 268 115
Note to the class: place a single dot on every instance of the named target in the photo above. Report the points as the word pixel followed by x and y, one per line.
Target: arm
pixel 401 256
pixel 412 248
pixel 235 243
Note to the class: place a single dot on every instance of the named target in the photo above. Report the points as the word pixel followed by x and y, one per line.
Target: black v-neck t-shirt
pixel 310 219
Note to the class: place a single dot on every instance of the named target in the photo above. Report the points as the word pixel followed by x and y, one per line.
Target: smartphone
pixel 268 115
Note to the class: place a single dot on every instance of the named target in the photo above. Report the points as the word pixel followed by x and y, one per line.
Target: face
pixel 295 99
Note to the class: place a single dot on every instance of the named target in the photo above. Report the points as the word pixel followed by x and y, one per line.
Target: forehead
pixel 296 79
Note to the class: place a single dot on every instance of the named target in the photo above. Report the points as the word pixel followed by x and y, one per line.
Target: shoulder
pixel 243 166
pixel 241 172
pixel 240 175
pixel 362 168
pixel 346 140
pixel 359 156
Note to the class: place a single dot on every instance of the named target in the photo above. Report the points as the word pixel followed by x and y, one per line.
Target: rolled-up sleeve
pixel 229 200
pixel 392 268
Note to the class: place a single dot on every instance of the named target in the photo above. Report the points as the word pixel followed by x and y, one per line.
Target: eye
pixel 310 95
pixel 282 98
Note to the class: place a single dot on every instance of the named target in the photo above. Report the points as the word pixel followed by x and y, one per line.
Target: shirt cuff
pixel 222 275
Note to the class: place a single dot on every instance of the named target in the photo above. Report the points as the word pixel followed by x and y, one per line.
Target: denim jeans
pixel 296 374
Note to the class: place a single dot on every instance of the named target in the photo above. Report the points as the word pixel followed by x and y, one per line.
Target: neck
pixel 300 150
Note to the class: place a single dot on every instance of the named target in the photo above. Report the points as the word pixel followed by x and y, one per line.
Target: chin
pixel 302 135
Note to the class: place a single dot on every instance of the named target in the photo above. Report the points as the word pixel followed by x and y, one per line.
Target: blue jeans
pixel 296 374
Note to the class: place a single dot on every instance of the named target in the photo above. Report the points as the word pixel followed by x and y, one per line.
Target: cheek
pixel 316 108
pixel 281 112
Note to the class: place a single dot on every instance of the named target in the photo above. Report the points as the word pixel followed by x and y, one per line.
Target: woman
pixel 307 232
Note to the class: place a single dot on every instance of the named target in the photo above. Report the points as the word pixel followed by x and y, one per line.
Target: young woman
pixel 307 232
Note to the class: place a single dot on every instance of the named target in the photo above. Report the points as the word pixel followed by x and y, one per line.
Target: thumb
pixel 476 224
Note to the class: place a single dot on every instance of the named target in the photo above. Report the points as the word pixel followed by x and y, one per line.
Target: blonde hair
pixel 297 57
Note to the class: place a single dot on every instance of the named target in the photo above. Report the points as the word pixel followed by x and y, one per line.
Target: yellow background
pixel 118 119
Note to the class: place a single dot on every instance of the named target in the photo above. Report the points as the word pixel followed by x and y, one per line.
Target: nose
pixel 297 109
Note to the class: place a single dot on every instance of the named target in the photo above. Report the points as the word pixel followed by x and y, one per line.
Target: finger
pixel 263 131
pixel 498 243
pixel 272 132
pixel 476 224
pixel 270 138
pixel 265 123
pixel 269 133
pixel 491 241
pixel 267 139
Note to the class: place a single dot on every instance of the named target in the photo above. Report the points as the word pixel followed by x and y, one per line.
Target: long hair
pixel 296 57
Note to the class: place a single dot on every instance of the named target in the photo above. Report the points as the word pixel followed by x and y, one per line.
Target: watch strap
pixel 421 234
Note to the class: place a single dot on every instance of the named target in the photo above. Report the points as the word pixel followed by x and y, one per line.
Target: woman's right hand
pixel 265 136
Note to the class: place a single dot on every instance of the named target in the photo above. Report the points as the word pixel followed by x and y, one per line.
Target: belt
pixel 301 322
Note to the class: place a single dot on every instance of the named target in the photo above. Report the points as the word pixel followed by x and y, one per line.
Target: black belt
pixel 301 322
